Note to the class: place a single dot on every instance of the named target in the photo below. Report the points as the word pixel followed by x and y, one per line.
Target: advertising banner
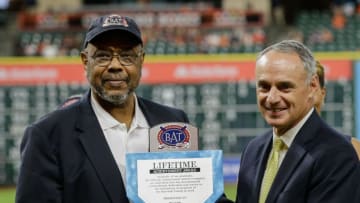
pixel 196 71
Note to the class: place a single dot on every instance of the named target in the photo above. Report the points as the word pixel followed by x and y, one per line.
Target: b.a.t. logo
pixel 173 136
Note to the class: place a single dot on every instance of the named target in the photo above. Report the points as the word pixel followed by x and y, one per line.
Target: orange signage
pixel 22 74
pixel 154 72
pixel 338 69
pixel 197 72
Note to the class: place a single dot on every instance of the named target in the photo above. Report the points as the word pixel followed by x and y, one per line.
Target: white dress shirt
pixel 120 139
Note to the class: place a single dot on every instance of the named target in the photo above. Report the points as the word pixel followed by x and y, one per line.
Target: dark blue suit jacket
pixel 320 166
pixel 65 157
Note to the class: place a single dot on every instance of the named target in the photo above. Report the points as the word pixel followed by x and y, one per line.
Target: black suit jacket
pixel 320 166
pixel 65 157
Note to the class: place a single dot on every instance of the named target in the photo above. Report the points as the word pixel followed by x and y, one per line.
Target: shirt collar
pixel 139 118
pixel 289 136
pixel 107 121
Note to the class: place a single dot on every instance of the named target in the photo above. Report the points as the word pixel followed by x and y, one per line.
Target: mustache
pixel 116 77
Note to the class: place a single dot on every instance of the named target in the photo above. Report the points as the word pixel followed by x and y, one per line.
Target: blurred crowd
pixel 335 25
pixel 181 40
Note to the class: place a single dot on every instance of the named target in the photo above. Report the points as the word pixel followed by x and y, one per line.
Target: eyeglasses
pixel 104 57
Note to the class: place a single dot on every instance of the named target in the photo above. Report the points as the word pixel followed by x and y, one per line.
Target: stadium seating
pixel 320 34
pixel 208 41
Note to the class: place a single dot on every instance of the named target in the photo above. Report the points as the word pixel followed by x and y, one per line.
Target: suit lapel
pixel 261 163
pixel 292 159
pixel 96 148
pixel 152 117
pixel 294 156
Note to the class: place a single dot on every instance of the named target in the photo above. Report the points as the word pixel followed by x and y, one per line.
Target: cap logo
pixel 115 20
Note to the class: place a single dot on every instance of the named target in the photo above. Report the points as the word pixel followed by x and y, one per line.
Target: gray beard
pixel 113 99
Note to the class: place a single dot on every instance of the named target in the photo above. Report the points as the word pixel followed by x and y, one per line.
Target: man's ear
pixel 142 57
pixel 84 58
pixel 323 91
pixel 314 85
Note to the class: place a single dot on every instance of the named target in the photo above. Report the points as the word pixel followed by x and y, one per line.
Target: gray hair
pixel 293 46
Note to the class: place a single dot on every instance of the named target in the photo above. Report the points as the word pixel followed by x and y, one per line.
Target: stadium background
pixel 200 57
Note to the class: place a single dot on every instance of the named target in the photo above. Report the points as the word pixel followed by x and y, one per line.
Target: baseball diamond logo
pixel 174 136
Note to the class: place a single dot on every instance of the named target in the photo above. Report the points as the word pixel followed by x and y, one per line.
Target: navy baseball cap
pixel 112 22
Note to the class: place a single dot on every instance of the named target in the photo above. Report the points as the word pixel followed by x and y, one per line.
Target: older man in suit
pixel 301 159
pixel 77 153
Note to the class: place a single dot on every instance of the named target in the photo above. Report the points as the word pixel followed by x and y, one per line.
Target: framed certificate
pixel 174 177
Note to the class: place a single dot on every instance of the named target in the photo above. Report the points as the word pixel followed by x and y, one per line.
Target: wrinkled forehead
pixel 275 58
pixel 280 65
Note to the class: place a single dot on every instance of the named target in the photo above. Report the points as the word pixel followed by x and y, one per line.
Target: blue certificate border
pixel 131 170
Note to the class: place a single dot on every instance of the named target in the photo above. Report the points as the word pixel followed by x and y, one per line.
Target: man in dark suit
pixel 77 153
pixel 313 163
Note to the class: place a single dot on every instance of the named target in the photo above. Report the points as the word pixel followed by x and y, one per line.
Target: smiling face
pixel 284 94
pixel 114 82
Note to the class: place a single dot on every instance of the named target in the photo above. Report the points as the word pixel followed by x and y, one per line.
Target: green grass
pixel 7 195
pixel 230 191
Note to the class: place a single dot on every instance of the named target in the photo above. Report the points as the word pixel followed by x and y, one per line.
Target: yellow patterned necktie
pixel 271 169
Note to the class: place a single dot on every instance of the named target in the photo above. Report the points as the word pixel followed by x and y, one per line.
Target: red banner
pixel 22 74
pixel 173 72
pixel 338 69
pixel 197 72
